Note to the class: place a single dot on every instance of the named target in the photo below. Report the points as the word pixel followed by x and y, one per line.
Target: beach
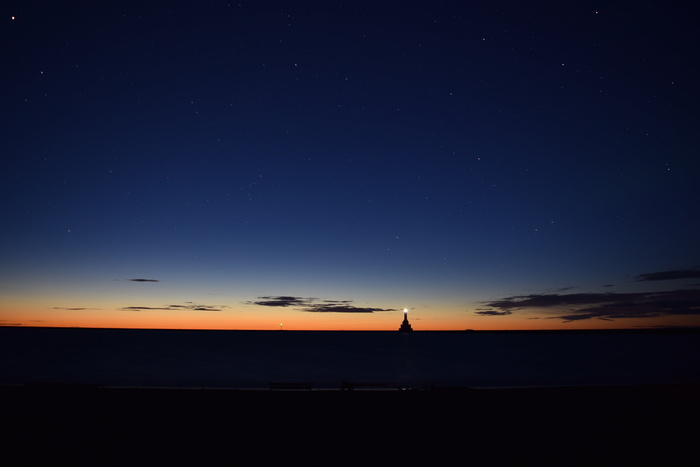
pixel 605 425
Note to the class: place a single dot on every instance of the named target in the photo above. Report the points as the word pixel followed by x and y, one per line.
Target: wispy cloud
pixel 197 307
pixel 669 275
pixel 314 305
pixel 605 306
pixel 143 280
pixel 73 308
pixel 282 301
pixel 493 313
pixel 320 308
pixel 4 322
pixel 188 306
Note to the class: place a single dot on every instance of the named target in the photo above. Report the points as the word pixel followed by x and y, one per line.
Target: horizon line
pixel 604 330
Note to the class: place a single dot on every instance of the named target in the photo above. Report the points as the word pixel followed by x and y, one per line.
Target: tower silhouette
pixel 405 325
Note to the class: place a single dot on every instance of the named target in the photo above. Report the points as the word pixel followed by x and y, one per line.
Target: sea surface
pixel 253 359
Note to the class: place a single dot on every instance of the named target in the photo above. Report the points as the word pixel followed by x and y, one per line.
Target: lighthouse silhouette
pixel 405 325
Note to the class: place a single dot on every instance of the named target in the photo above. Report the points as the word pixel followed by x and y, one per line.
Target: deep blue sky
pixel 480 163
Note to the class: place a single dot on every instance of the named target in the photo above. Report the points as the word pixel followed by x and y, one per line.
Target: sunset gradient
pixel 267 165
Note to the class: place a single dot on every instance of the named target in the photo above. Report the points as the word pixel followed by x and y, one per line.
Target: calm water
pixel 251 359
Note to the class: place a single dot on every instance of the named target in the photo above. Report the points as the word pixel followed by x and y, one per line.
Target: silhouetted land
pixel 613 425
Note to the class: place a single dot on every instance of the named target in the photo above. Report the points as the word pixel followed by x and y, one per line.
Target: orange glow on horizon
pixel 268 318
pixel 328 322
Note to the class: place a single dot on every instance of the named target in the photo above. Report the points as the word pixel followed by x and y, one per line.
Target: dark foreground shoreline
pixel 608 425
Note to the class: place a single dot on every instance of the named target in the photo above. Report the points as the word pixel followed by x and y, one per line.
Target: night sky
pixel 323 165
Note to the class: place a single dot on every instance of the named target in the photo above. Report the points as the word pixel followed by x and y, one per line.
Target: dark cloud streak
pixel 493 313
pixel 343 309
pixel 669 275
pixel 604 306
pixel 314 305
pixel 188 306
pixel 282 301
